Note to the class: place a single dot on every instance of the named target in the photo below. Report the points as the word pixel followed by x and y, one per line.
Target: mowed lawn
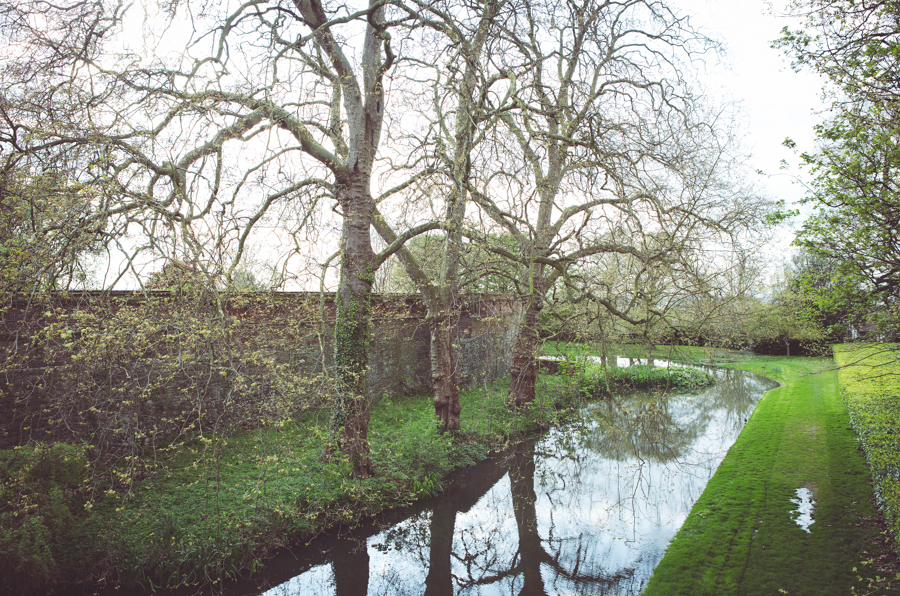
pixel 741 538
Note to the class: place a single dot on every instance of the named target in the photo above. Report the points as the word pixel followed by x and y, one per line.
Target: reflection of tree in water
pixel 737 395
pixel 512 560
pixel 533 552
pixel 659 427
pixel 652 427
pixel 491 551
pixel 351 568
pixel 439 580
pixel 642 427
pixel 574 495
pixel 439 543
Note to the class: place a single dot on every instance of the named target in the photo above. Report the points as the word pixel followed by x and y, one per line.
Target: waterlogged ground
pixel 583 510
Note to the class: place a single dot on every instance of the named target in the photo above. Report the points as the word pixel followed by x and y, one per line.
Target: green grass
pixel 212 507
pixel 739 538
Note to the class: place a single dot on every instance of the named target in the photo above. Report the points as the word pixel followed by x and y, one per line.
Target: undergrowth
pixel 45 516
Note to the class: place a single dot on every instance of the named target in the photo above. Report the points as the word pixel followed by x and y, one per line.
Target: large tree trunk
pixel 350 424
pixel 443 366
pixel 524 368
pixel 363 114
pixel 441 326
pixel 443 313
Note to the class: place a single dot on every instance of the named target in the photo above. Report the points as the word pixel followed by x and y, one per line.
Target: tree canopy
pixel 855 224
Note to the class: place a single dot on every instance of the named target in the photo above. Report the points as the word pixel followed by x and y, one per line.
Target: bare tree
pixel 197 145
pixel 461 115
pixel 606 148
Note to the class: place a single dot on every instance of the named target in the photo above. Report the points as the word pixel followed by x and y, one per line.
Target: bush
pixel 644 376
pixel 45 515
pixel 870 382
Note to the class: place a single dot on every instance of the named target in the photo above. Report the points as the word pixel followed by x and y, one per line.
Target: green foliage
pixel 160 388
pixel 870 380
pixel 856 195
pixel 643 376
pixel 200 508
pixel 45 229
pixel 855 184
pixel 178 276
pixel 129 376
pixel 45 516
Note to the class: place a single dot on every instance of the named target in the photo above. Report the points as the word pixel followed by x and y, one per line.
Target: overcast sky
pixel 777 102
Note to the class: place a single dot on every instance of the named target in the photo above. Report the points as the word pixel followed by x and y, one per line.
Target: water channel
pixel 583 509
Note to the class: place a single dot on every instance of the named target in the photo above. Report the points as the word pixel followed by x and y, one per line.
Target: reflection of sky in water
pixel 318 581
pixel 607 504
pixel 803 514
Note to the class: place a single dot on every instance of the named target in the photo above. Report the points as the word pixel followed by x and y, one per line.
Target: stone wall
pixel 294 329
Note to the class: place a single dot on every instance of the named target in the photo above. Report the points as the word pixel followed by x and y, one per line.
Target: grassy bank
pixel 740 537
pixel 212 507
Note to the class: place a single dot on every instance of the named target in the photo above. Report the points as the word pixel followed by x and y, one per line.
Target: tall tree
pixel 195 144
pixel 854 191
pixel 460 116
pixel 606 147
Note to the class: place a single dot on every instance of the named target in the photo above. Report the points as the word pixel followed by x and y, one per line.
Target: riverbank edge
pixel 144 541
pixel 740 537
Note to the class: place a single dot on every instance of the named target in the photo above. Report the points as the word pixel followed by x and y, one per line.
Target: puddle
pixel 803 515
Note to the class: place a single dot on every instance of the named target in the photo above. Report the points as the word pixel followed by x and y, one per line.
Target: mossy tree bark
pixel 357 114
pixel 445 388
pixel 443 367
pixel 350 424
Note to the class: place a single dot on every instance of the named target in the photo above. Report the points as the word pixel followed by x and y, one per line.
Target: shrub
pixel 870 382
pixel 644 376
pixel 45 513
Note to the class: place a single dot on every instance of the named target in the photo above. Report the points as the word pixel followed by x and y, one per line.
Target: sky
pixel 776 101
